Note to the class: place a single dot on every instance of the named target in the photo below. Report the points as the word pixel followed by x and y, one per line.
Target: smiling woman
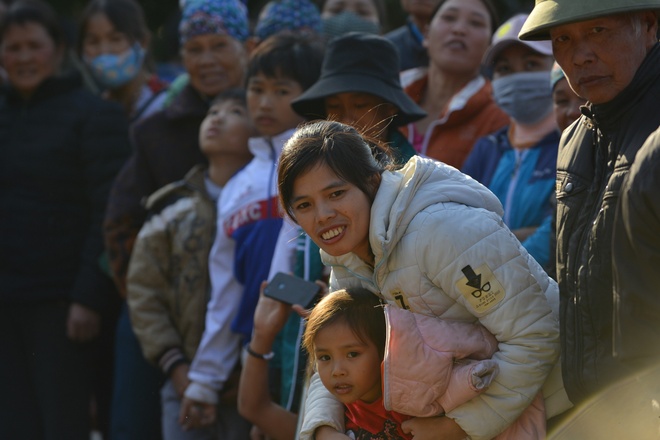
pixel 429 239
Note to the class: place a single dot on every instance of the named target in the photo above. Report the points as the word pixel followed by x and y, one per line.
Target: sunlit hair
pixel 635 20
pixel 351 156
pixel 356 307
pixel 22 12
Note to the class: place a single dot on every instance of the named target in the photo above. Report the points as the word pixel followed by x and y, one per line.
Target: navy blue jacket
pixel 59 153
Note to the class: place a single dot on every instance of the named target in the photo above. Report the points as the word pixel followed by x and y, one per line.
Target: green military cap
pixel 551 13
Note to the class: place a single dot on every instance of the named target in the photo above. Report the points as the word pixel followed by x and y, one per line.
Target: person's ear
pixel 649 22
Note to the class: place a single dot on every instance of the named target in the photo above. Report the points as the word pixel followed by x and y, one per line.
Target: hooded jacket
pixel 523 180
pixel 441 249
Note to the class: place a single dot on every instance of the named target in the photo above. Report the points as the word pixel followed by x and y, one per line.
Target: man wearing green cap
pixel 610 54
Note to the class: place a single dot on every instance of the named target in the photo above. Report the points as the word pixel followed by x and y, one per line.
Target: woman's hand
pixel 83 324
pixel 433 428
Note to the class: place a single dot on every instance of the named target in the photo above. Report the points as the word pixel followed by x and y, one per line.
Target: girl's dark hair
pixel 288 55
pixel 350 155
pixel 490 6
pixel 359 308
pixel 126 16
pixel 22 12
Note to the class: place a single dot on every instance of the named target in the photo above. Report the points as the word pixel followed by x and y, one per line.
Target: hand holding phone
pixel 292 290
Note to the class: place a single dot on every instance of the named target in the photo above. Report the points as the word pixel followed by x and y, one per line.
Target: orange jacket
pixel 471 114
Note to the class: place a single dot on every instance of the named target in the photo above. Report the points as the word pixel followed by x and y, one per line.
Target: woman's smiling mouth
pixel 332 233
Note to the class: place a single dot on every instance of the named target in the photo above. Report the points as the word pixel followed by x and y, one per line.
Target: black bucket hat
pixel 359 63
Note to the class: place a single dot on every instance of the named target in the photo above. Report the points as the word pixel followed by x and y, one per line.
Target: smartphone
pixel 292 290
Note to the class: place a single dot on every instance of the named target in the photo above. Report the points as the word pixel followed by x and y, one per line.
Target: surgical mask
pixel 112 71
pixel 525 97
pixel 348 21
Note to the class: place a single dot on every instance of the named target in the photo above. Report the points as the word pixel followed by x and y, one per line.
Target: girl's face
pixel 226 129
pixel 29 56
pixel 214 63
pixel 367 112
pixel 365 9
pixel 348 367
pixel 566 104
pixel 459 35
pixel 335 214
pixel 269 102
pixel 101 38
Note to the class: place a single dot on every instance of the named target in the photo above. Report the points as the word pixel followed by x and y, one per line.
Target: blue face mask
pixel 525 96
pixel 348 21
pixel 112 71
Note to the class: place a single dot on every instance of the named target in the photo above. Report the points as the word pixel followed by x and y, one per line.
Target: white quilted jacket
pixel 442 249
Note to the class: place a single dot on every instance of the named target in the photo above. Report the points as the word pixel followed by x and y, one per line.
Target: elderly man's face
pixel 600 56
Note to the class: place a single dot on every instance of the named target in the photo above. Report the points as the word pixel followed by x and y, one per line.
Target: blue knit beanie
pixel 221 17
pixel 291 15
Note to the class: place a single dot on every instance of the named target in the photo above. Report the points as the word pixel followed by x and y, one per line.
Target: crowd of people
pixel 474 194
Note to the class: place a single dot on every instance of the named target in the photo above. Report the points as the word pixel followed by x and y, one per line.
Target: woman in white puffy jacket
pixel 429 239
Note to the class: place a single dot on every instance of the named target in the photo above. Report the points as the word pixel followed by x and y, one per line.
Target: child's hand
pixel 179 377
pixel 194 414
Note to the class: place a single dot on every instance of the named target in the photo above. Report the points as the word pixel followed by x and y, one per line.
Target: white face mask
pixel 525 97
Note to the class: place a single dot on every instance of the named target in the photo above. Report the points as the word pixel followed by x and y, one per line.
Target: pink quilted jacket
pixel 433 365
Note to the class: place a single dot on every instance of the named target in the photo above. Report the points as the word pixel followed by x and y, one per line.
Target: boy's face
pixel 226 129
pixel 369 113
pixel 269 103
pixel 349 368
